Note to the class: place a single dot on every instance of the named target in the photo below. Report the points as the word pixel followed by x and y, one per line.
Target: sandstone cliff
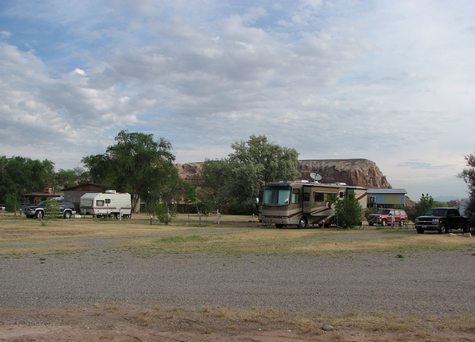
pixel 361 172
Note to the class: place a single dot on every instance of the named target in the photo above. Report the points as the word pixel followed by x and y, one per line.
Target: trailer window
pixel 295 196
pixel 276 196
pixel 319 196
pixel 108 200
pixel 100 203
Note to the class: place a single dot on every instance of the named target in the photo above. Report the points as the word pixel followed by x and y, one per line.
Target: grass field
pixel 236 235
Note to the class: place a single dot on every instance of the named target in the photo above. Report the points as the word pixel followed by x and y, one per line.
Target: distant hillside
pixel 361 172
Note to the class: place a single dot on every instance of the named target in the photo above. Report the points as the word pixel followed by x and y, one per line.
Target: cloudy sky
pixel 390 81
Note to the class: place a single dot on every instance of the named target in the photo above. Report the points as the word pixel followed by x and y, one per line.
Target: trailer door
pixel 307 199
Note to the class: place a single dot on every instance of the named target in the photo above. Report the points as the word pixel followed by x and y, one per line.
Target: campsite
pixel 194 279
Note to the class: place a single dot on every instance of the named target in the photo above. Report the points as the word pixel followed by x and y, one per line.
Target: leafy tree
pixel 468 176
pixel 139 165
pixel 20 175
pixel 68 178
pixel 12 203
pixel 215 190
pixel 425 203
pixel 235 182
pixel 348 212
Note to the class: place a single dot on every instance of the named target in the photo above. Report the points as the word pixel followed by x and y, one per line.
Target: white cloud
pixel 388 81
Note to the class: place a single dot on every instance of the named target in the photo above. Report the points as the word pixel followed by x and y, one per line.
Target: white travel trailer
pixel 110 203
pixel 302 203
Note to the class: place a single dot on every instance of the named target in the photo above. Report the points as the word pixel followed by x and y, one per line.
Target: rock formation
pixel 360 172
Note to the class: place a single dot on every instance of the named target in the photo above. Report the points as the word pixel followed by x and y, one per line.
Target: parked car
pixel 388 217
pixel 66 209
pixel 442 220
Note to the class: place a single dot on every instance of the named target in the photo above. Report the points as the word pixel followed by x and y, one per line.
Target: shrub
pixel 51 208
pixel 348 212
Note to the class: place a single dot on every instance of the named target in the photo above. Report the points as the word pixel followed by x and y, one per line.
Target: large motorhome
pixel 110 203
pixel 305 203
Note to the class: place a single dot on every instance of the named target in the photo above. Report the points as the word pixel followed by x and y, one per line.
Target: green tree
pixel 19 176
pixel 215 190
pixel 348 212
pixel 235 182
pixel 68 178
pixel 139 165
pixel 425 203
pixel 468 176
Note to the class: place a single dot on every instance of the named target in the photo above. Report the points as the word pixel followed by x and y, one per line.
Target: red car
pixel 388 217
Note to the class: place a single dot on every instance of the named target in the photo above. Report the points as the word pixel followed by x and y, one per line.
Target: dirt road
pixel 203 297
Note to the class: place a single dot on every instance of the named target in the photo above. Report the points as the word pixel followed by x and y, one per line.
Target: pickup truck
pixel 442 220
pixel 66 209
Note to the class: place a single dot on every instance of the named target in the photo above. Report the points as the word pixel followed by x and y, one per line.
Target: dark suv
pixel 388 217
pixel 442 220
pixel 66 209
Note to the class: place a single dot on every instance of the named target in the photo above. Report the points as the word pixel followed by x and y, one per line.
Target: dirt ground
pixel 102 292
pixel 133 324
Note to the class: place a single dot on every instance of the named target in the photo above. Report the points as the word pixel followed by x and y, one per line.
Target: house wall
pixel 386 200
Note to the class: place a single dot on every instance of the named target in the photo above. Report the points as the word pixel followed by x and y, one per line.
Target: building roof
pixel 387 191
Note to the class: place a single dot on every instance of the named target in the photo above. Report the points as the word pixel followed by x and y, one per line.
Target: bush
pixel 51 208
pixel 12 203
pixel 348 212
pixel 165 212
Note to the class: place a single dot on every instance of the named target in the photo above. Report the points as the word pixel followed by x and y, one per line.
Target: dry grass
pixel 235 235
pixel 212 317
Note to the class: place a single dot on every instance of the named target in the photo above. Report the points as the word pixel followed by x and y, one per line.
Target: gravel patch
pixel 441 283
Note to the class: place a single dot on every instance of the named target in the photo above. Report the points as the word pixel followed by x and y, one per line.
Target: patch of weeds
pixel 181 239
pixel 198 225
pixel 306 325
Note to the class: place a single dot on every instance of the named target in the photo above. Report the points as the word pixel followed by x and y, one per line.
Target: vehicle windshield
pixel 385 212
pixel 436 212
pixel 276 195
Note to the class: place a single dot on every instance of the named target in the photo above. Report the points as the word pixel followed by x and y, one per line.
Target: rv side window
pixel 319 197
pixel 295 199
pixel 100 203
pixel 108 200
pixel 341 194
pixel 276 196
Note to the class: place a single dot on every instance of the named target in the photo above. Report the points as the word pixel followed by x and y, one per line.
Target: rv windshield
pixel 276 195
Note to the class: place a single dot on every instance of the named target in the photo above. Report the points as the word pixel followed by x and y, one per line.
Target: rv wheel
pixel 302 222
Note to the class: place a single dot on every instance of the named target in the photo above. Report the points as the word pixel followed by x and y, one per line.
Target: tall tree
pixel 68 178
pixel 236 180
pixel 19 176
pixel 468 176
pixel 425 203
pixel 136 164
